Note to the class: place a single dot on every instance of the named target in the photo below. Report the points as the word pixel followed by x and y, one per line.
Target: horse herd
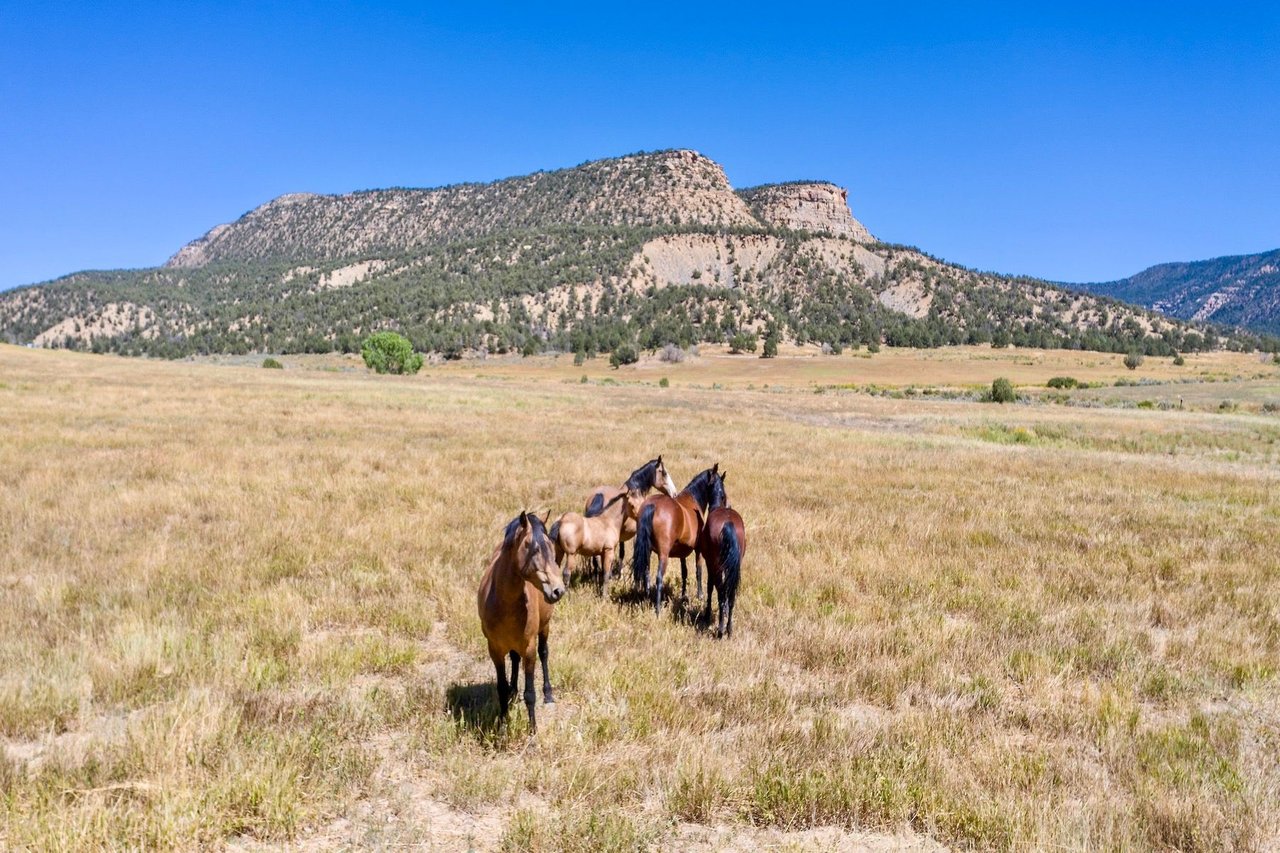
pixel 526 576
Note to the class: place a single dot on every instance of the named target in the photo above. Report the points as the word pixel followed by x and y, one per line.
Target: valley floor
pixel 237 606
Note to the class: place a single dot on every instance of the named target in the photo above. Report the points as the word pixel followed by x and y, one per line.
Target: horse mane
pixel 641 479
pixel 700 487
pixel 513 528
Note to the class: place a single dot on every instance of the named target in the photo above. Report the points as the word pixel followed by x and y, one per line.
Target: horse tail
pixel 643 545
pixel 554 532
pixel 730 560
pixel 596 506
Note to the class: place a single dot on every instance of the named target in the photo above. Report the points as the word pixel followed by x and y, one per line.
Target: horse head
pixel 662 480
pixel 717 497
pixel 534 557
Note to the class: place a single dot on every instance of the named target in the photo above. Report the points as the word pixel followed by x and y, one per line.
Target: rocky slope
pixel 648 249
pixel 1241 290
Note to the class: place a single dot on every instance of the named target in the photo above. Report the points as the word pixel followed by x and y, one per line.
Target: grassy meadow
pixel 237 606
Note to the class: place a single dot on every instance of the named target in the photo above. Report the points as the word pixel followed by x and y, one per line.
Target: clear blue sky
pixel 1081 143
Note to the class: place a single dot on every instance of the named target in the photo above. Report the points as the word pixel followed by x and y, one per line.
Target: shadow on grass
pixel 475 707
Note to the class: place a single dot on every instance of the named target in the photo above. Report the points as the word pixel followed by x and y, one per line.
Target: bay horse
pixel 651 475
pixel 671 527
pixel 722 546
pixel 514 600
pixel 594 536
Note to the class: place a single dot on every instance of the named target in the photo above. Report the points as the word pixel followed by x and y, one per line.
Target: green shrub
pixel 579 358
pixel 1132 360
pixel 872 347
pixel 1063 382
pixel 1000 339
pixel 623 354
pixel 742 342
pixel 770 346
pixel 272 364
pixel 388 352
pixel 664 382
pixel 1178 360
pixel 1002 391
pixel 583 380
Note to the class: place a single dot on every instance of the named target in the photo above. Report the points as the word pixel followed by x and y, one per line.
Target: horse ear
pixel 659 458
pixel 546 518
pixel 715 467
pixel 524 518
pixel 723 475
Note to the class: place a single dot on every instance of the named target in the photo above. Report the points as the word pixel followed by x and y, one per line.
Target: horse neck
pixel 507 580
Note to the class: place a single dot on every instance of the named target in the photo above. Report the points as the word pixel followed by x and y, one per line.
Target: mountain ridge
pixel 1237 290
pixel 650 248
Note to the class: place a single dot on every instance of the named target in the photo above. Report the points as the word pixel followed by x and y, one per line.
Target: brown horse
pixel 594 536
pixel 651 475
pixel 515 598
pixel 722 546
pixel 671 527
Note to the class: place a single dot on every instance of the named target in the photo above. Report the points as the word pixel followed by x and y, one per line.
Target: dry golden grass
pixel 238 609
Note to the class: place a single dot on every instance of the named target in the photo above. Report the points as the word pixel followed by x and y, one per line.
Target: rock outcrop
pixel 821 208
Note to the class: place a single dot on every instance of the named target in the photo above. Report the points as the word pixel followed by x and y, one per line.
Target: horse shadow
pixel 474 706
pixel 682 611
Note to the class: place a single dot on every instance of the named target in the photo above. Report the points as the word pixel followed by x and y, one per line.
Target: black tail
pixel 644 544
pixel 596 506
pixel 730 561
pixel 554 532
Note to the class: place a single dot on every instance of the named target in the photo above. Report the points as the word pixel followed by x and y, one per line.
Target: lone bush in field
pixel 623 354
pixel 671 354
pixel 1063 382
pixel 770 346
pixel 664 382
pixel 1178 360
pixel 388 352
pixel 1002 391
pixel 272 364
pixel 1132 360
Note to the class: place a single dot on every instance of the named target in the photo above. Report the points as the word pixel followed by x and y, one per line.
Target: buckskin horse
pixel 671 526
pixel 651 475
pixel 514 600
pixel 722 546
pixel 594 536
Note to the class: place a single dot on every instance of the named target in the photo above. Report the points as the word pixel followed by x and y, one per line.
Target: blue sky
pixel 1081 143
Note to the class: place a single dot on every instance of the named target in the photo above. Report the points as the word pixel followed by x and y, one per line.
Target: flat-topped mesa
pixel 817 206
pixel 648 189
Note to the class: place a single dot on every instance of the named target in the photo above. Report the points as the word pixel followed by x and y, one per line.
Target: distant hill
pixel 649 249
pixel 1241 290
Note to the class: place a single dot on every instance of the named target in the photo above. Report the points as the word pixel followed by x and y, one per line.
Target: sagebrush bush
pixel 623 354
pixel 1063 382
pixel 1133 360
pixel 389 352
pixel 272 364
pixel 1002 391
pixel 671 354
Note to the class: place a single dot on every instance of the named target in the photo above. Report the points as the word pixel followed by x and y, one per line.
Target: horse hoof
pixel 548 700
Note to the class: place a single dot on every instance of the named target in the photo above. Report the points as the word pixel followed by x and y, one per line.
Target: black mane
pixel 513 528
pixel 641 479
pixel 701 488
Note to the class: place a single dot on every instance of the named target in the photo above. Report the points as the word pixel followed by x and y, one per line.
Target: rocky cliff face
pixel 821 208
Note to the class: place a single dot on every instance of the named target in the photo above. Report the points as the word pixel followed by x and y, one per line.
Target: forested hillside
pixel 648 249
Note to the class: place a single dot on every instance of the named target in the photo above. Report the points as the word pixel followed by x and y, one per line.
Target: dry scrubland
pixel 238 609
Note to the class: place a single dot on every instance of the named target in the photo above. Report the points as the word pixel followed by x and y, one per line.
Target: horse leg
pixel 684 579
pixel 530 697
pixel 622 555
pixel 733 602
pixel 547 697
pixel 706 608
pixel 504 692
pixel 662 571
pixel 515 675
pixel 725 607
pixel 697 571
pixel 605 571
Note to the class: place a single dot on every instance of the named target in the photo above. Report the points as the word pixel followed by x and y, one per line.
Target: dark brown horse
pixel 671 527
pixel 514 600
pixel 651 475
pixel 722 546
